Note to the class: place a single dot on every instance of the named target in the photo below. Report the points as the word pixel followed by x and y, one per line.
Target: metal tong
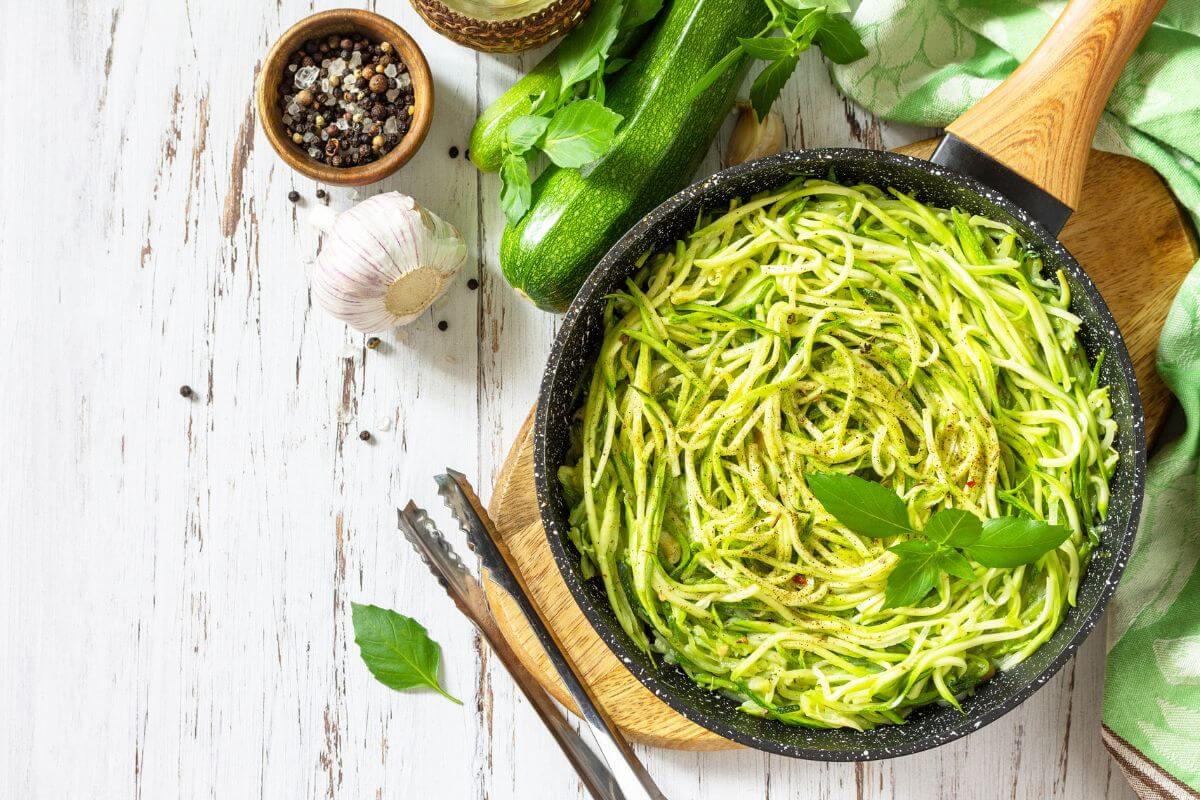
pixel 609 768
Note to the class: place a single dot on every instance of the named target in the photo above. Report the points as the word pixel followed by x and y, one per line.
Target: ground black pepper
pixel 346 102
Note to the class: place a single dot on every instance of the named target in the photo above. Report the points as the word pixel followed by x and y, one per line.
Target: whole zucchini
pixel 575 218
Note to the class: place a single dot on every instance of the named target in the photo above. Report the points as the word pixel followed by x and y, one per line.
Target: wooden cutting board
pixel 1128 233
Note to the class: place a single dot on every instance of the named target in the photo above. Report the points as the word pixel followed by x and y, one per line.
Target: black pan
pixel 971 176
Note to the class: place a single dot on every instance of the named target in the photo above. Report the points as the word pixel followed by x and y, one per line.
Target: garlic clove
pixel 753 139
pixel 384 261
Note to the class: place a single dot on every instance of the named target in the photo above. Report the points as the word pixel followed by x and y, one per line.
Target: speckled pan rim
pixel 566 558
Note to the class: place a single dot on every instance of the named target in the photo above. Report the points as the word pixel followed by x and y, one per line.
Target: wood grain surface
pixel 1138 268
pixel 1040 121
pixel 176 574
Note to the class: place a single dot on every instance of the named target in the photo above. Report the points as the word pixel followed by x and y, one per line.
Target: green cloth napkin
pixel 927 62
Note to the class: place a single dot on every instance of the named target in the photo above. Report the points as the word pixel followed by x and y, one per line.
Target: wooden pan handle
pixel 1040 122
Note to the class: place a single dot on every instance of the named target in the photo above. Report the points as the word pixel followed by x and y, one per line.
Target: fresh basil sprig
pixel 949 538
pixel 397 649
pixel 799 24
pixel 571 127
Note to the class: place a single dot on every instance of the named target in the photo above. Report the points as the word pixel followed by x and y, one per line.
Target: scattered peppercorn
pixel 293 195
pixel 321 194
pixel 472 284
pixel 373 343
pixel 346 102
pixel 185 390
pixel 365 436
pixel 467 153
pixel 443 325
pixel 800 580
pixel 453 151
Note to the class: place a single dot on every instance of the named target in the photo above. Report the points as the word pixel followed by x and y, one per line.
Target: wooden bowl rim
pixel 339 20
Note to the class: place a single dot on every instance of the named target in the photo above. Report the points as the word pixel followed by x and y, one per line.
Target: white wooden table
pixel 176 574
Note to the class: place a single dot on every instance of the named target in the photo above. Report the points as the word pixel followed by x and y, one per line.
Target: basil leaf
pixel 524 131
pixel 397 649
pixel 838 40
pixel 516 193
pixel 952 561
pixel 865 507
pixel 914 575
pixel 769 83
pixel 768 47
pixel 1013 541
pixel 832 6
pixel 716 71
pixel 954 527
pixel 582 52
pixel 579 133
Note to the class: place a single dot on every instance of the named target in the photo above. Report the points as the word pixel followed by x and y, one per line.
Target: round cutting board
pixel 1137 262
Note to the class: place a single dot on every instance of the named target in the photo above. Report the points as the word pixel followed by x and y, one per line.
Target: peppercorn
pixel 378 83
pixel 385 47
pixel 297 138
pixel 377 143
pixel 321 194
pixel 347 44
pixel 293 195
pixel 453 151
pixel 472 284
pixel 304 97
pixel 443 325
pixel 185 390
pixel 365 436
pixel 373 343
pixel 368 71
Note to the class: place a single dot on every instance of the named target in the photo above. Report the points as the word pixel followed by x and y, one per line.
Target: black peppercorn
pixel 373 343
pixel 185 390
pixel 293 195
pixel 320 194
pixel 453 152
pixel 443 325
pixel 472 284
pixel 365 436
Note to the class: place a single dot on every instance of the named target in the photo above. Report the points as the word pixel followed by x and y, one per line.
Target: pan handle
pixel 1039 123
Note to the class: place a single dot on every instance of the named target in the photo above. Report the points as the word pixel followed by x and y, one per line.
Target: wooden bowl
pixel 511 34
pixel 377 29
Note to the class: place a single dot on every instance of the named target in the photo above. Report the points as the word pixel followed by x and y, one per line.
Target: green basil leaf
pixel 954 527
pixel 524 131
pixel 768 47
pixel 716 71
pixel 838 40
pixel 397 649
pixel 584 49
pixel 865 507
pixel 809 24
pixel 952 561
pixel 516 193
pixel 1013 541
pixel 639 12
pixel 769 83
pixel 832 6
pixel 579 133
pixel 914 575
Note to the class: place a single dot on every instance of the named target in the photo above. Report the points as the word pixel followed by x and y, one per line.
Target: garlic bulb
pixel 753 139
pixel 384 261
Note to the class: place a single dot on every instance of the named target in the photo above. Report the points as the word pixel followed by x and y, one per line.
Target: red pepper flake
pixel 970 484
pixel 800 580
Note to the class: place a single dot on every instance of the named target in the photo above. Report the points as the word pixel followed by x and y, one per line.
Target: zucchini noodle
pixel 844 329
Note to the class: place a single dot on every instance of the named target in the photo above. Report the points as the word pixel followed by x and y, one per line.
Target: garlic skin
pixel 752 139
pixel 384 261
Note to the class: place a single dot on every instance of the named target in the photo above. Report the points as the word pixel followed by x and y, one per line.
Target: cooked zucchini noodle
pixel 844 329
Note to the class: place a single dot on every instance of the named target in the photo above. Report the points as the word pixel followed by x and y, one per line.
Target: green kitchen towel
pixel 927 62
